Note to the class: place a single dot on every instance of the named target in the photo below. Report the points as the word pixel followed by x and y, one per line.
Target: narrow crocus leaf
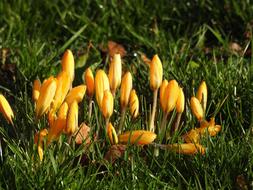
pixel 139 137
pixel 161 94
pixel 47 92
pixel 89 81
pixel 6 109
pixel 196 108
pixel 170 95
pixel 125 90
pixel 59 125
pixel 187 148
pixel 156 73
pixel 180 101
pixel 63 86
pixel 115 71
pixel 101 84
pixel 107 104
pixel 202 94
pixel 72 118
pixel 36 90
pixel 134 104
pixel 68 64
pixel 76 94
pixel 112 134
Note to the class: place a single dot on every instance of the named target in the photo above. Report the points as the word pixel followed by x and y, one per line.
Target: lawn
pixel 196 41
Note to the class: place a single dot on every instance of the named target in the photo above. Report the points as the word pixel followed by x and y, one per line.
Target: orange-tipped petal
pixel 36 89
pixel 68 64
pixel 51 118
pixel 156 73
pixel 125 90
pixel 134 104
pixel 171 95
pixel 107 104
pixel 140 137
pixel 76 94
pixel 188 148
pixel 161 94
pixel 6 110
pixel 101 84
pixel 89 81
pixel 59 125
pixel 72 118
pixel 63 86
pixel 196 108
pixel 202 94
pixel 112 134
pixel 180 101
pixel 47 92
pixel 115 71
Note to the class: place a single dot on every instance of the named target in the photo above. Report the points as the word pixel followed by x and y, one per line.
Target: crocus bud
pixel 134 104
pixel 139 137
pixel 89 81
pixel 6 110
pixel 112 134
pixel 115 71
pixel 39 139
pixel 76 94
pixel 101 84
pixel 63 86
pixel 180 101
pixel 156 73
pixel 36 90
pixel 51 117
pixel 60 123
pixel 188 148
pixel 197 108
pixel 72 118
pixel 170 95
pixel 126 87
pixel 202 94
pixel 107 104
pixel 47 92
pixel 68 64
pixel 161 94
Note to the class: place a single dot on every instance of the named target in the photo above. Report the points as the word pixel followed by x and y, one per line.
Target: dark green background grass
pixel 193 40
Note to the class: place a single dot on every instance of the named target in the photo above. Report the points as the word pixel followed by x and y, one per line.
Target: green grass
pixel 192 40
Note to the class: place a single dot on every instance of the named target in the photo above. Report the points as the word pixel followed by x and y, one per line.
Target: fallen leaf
pixel 145 59
pixel 241 182
pixel 235 47
pixel 83 134
pixel 116 151
pixel 115 48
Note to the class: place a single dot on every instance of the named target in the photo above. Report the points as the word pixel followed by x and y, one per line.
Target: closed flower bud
pixel 76 94
pixel 139 137
pixel 36 90
pixel 161 94
pixel 47 92
pixel 39 139
pixel 6 110
pixel 156 73
pixel 107 104
pixel 180 101
pixel 197 108
pixel 63 86
pixel 112 134
pixel 115 71
pixel 60 123
pixel 134 104
pixel 202 94
pixel 188 148
pixel 72 118
pixel 170 95
pixel 89 81
pixel 101 84
pixel 126 87
pixel 68 64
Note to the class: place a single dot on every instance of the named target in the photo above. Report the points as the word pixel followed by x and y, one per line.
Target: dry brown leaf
pixel 116 151
pixel 235 47
pixel 115 48
pixel 145 59
pixel 83 134
pixel 241 182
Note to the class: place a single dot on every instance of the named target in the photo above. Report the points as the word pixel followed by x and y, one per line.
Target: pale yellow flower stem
pixel 90 108
pixel 122 119
pixel 177 123
pixel 152 119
